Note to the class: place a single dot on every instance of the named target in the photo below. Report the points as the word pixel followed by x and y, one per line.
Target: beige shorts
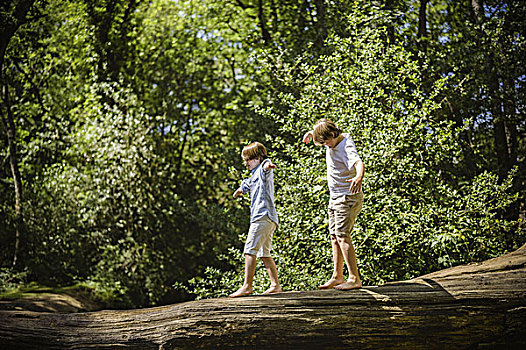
pixel 343 212
pixel 259 239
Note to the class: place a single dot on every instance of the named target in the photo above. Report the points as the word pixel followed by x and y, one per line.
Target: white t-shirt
pixel 340 166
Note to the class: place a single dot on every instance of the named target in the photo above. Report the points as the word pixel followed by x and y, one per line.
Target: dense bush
pixel 129 118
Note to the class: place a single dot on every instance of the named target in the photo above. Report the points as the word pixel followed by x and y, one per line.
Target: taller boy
pixel 345 171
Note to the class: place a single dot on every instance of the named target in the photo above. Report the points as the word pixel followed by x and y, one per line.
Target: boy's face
pixel 331 143
pixel 252 163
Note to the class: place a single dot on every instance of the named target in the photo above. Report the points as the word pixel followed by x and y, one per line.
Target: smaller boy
pixel 263 217
pixel 345 172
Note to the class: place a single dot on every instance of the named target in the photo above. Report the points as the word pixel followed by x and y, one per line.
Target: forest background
pixel 123 123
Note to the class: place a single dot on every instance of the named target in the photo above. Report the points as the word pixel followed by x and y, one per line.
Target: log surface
pixel 479 305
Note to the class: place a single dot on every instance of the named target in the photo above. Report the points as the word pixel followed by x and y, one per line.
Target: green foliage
pixel 130 121
pixel 10 279
pixel 216 281
pixel 84 292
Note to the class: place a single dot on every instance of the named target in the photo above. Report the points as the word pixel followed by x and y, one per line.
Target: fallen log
pixel 480 305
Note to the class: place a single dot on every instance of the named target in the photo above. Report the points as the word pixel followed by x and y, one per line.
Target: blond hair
pixel 255 150
pixel 324 130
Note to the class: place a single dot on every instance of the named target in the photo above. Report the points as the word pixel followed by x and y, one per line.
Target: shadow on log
pixel 479 305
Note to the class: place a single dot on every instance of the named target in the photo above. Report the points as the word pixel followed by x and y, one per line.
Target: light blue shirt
pixel 261 187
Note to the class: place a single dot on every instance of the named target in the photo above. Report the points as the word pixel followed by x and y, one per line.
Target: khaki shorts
pixel 259 239
pixel 343 212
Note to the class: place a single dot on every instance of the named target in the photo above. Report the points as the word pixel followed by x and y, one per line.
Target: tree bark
pixel 389 6
pixel 321 23
pixel 9 125
pixel 501 125
pixel 422 26
pixel 464 307
pixel 18 11
pixel 265 35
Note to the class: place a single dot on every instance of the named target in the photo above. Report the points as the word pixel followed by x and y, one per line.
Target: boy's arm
pixel 356 182
pixel 268 165
pixel 244 188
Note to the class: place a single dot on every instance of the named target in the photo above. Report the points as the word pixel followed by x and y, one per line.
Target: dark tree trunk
pixel 9 125
pixel 262 24
pixel 321 22
pixel 422 26
pixel 102 22
pixel 500 122
pixel 389 5
pixel 470 167
pixel 18 11
pixel 114 21
pixel 274 15
pixel 512 138
pixel 464 307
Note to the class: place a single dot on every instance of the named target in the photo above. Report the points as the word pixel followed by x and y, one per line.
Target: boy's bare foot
pixel 273 289
pixel 331 283
pixel 241 292
pixel 349 285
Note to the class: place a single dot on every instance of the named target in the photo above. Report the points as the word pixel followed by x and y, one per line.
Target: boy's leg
pixel 349 256
pixel 258 237
pixel 270 265
pixel 337 258
pixel 272 271
pixel 250 270
pixel 344 212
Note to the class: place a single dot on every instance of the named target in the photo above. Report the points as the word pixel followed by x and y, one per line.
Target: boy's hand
pixel 269 165
pixel 238 193
pixel 307 137
pixel 356 184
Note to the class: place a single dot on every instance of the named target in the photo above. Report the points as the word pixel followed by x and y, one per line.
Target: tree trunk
pixel 464 307
pixel 17 11
pixel 502 149
pixel 512 137
pixel 389 5
pixel 262 24
pixel 9 125
pixel 321 23
pixel 115 21
pixel 422 26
